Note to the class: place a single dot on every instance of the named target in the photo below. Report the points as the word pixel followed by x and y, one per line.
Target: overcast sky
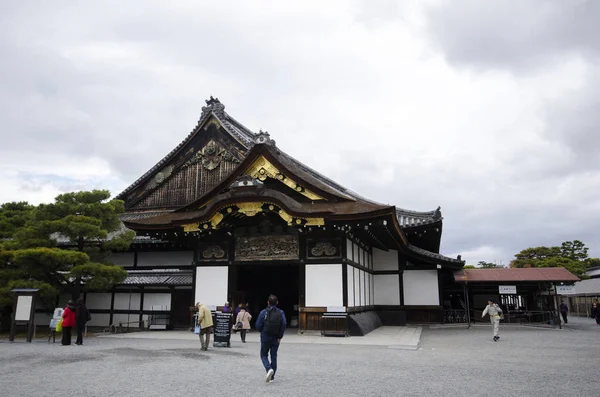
pixel 489 109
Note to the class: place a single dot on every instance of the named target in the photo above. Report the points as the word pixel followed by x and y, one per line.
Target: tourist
pixel 242 323
pixel 596 312
pixel 271 324
pixel 205 321
pixel 82 316
pixel 68 323
pixel 495 312
pixel 563 311
pixel 226 308
pixel 238 309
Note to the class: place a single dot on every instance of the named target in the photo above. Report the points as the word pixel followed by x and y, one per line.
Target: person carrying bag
pixel 242 323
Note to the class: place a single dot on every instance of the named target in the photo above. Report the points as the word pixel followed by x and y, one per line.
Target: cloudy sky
pixel 486 108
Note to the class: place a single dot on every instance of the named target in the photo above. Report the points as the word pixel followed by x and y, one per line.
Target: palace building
pixel 229 216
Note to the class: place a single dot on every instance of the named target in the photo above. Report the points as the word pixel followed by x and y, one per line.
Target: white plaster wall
pixel 350 277
pixel 167 258
pixel 324 285
pixel 122 301
pixel 348 249
pixel 119 317
pixel 355 255
pixel 372 289
pixel 385 260
pixel 211 285
pixel 387 289
pixel 158 299
pixel 98 300
pixel 356 286
pixel 121 258
pixel 421 288
pixel 99 320
pixel 368 289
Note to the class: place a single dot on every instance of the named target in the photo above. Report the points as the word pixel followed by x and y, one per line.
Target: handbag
pixel 59 325
pixel 197 329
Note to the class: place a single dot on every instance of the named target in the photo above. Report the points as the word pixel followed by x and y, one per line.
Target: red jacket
pixel 68 317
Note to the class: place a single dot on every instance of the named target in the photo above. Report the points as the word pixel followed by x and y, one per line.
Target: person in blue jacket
pixel 271 324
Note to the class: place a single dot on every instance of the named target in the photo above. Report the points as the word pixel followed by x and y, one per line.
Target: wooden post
pixel 556 306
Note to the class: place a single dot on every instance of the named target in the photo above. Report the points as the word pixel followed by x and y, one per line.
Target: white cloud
pixel 402 102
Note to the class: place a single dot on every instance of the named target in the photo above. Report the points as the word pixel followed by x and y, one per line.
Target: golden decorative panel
pixel 262 169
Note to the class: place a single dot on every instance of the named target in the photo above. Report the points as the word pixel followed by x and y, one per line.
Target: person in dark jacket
pixel 68 323
pixel 596 312
pixel 271 324
pixel 563 311
pixel 82 316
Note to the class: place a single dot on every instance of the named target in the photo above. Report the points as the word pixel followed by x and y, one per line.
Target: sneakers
pixel 270 374
pixel 496 338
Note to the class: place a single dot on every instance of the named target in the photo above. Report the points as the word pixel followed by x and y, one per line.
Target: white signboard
pixel 508 289
pixel 565 289
pixel 23 308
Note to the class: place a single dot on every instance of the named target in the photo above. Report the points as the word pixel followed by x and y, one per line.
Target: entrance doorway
pixel 257 282
pixel 180 308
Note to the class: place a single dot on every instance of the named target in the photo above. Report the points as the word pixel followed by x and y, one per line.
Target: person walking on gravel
pixel 205 322
pixel 242 323
pixel 271 324
pixel 495 313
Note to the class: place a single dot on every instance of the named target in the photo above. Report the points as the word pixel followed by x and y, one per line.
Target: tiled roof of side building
pixel 548 274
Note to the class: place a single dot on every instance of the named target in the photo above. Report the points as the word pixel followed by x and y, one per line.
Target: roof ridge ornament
pixel 213 105
pixel 263 137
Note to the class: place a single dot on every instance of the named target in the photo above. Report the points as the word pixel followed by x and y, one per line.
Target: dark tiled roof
pixel 327 210
pixel 433 255
pixel 408 218
pixel 158 277
pixel 548 274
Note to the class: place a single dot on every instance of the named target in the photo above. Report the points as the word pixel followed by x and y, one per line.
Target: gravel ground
pixel 449 362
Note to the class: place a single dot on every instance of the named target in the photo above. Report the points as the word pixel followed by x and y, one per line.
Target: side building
pixel 228 216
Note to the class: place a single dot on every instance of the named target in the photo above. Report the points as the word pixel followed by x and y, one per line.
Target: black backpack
pixel 273 322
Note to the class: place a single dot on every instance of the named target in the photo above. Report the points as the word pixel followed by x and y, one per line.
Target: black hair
pixel 80 302
pixel 492 300
pixel 273 300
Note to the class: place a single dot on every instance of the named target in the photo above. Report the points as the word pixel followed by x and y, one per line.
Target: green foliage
pixel 572 255
pixel 80 223
pixel 469 267
pixel 12 217
pixel 575 250
pixel 488 265
pixel 98 276
pixel 47 295
pixel 46 266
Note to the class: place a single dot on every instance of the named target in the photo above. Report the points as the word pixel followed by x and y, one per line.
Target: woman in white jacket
pixel 495 313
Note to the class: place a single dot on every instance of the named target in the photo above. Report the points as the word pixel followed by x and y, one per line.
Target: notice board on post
pixel 223 323
pixel 23 312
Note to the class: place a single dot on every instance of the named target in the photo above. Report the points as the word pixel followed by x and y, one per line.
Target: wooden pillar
pixel 112 306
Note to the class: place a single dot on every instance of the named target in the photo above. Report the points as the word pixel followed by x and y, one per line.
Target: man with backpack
pixel 271 324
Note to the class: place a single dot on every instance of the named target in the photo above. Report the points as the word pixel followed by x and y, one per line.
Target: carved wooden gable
pixel 202 165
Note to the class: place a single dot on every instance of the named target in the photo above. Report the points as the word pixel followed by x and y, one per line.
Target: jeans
pixel 564 316
pixel 265 347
